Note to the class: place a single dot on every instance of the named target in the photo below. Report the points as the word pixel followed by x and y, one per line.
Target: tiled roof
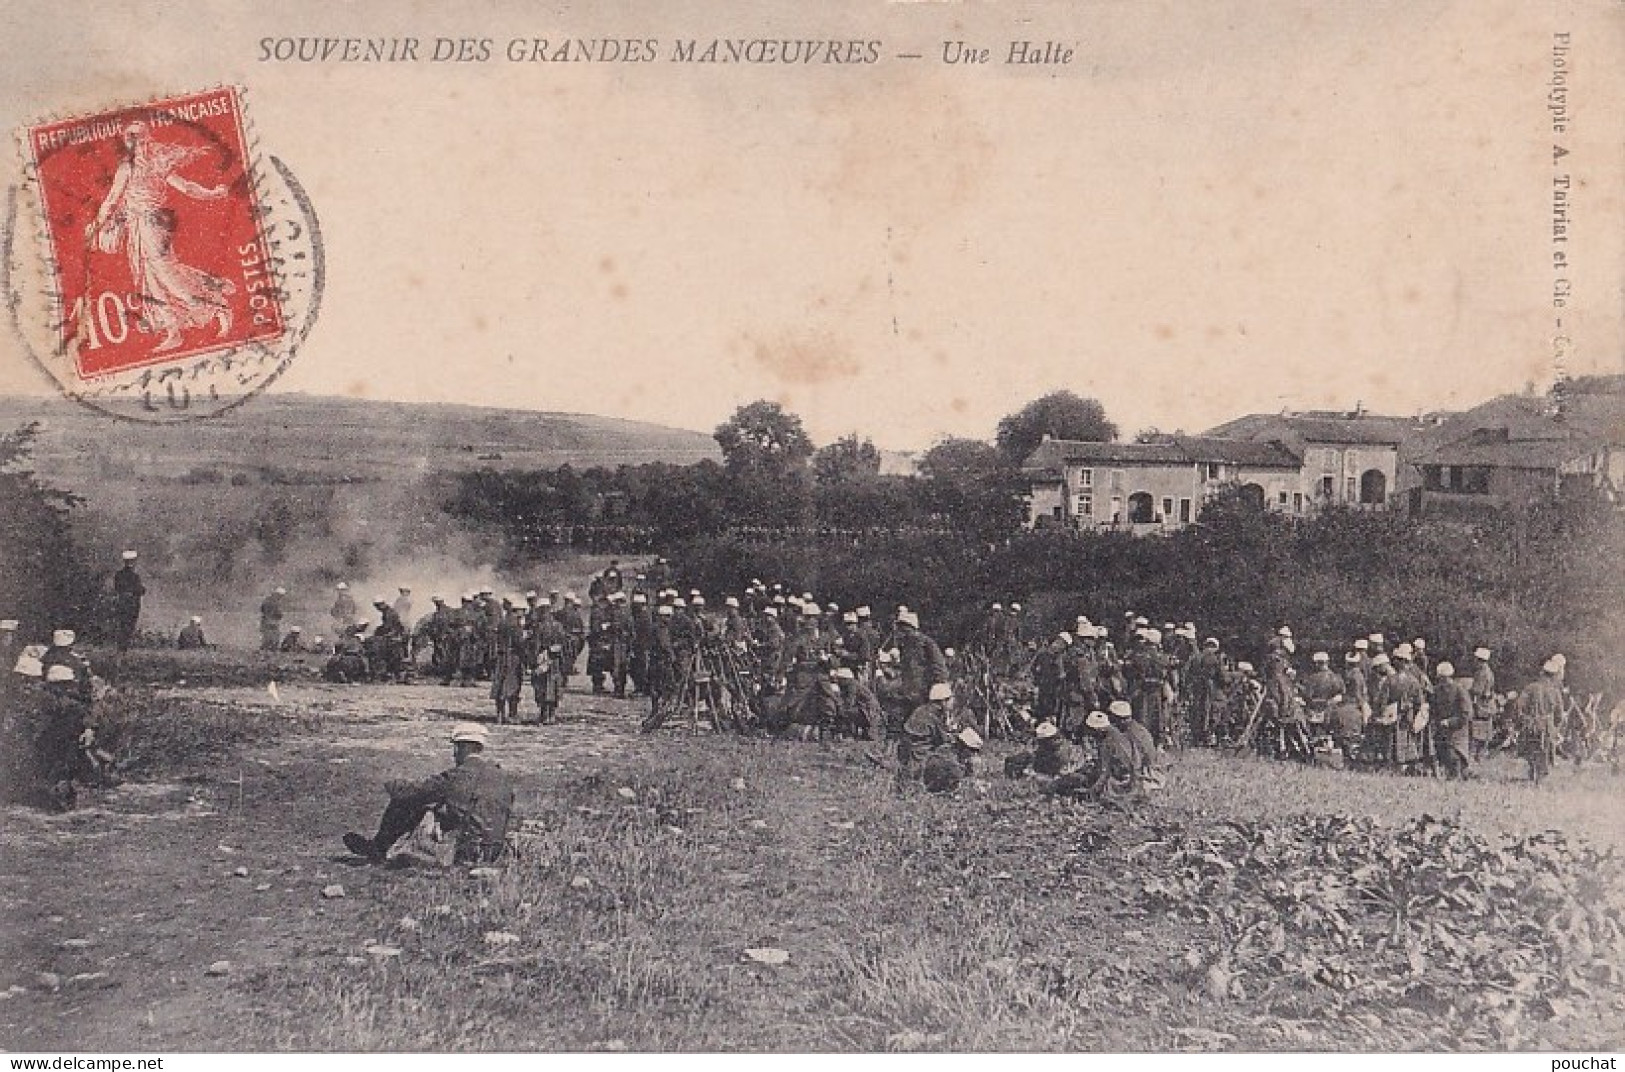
pixel 1054 454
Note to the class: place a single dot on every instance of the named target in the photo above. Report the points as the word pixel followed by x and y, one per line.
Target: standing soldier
pixel 770 641
pixel 642 641
pixel 127 593
pixel 390 637
pixel 271 612
pixel 662 657
pixel 1148 686
pixel 343 611
pixel 549 642
pixel 1486 703
pixel 599 641
pixel 1452 722
pixel 1049 676
pixel 510 664
pixel 620 643
pixel 1204 681
pixel 921 663
pixel 575 627
pixel 1540 706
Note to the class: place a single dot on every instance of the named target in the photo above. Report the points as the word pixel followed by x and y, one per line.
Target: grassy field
pixel 690 891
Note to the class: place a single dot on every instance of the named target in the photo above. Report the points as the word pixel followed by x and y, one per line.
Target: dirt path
pixel 117 911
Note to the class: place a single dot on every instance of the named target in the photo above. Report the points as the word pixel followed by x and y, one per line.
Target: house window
pixel 1085 505
pixel 1297 502
pixel 1215 471
pixel 1086 478
pixel 1057 512
pixel 1351 489
pixel 1328 486
pixel 1281 500
pixel 1117 509
pixel 1184 511
pixel 1167 509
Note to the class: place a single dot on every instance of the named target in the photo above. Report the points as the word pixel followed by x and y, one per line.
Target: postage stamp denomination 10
pixel 171 256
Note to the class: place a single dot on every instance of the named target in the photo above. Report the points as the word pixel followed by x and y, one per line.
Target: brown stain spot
pixel 899 255
pixel 915 335
pixel 1214 332
pixel 414 280
pixel 811 358
pixel 480 323
pixel 607 265
pixel 940 357
pixel 618 292
pixel 356 388
pixel 1163 332
pixel 1410 295
pixel 959 405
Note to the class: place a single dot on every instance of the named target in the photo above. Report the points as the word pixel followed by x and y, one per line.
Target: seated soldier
pixel 472 800
pixel 191 635
pixel 951 763
pixel 1052 754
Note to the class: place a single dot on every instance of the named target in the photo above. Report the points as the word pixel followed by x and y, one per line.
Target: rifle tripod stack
pixel 712 685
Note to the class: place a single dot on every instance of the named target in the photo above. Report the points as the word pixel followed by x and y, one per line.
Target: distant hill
pixel 322 439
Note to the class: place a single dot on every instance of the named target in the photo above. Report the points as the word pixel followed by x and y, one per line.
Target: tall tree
pixel 846 460
pixel 1059 414
pixel 973 487
pixel 763 437
pixel 43 581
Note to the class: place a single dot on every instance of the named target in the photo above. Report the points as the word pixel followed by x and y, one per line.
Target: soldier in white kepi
pixel 473 800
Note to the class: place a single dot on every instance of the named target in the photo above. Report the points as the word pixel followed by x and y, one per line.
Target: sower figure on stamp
pixel 472 800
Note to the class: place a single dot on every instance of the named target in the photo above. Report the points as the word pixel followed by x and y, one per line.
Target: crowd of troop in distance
pixel 1095 706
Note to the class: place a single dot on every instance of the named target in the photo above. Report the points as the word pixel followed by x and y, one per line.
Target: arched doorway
pixel 1253 495
pixel 1140 509
pixel 1373 488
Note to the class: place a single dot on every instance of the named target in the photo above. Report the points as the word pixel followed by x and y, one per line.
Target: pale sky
pixel 1218 207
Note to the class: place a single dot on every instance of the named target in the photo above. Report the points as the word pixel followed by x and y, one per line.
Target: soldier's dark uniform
pixel 547 677
pixel 1148 689
pixel 127 593
pixel 472 800
pixel 920 662
pixel 191 637
pixel 271 611
pixel 637 667
pixel 1452 725
pixel 569 616
pixel 510 667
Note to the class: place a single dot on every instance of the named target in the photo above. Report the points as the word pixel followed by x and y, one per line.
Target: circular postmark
pixel 154 265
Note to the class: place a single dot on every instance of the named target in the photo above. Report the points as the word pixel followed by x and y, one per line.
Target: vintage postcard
pixel 931 525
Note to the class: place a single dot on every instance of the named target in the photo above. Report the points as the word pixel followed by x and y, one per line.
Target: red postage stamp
pixel 153 233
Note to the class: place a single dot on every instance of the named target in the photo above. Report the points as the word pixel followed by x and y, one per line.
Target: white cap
pixel 197 619
pixel 470 732
pixel 864 612
pixel 1065 638
pixel 341 586
pixel 28 663
pixel 1046 730
pixel 1445 670
pixel 772 612
pixel 1121 709
pixel 850 618
pixel 731 601
pixel 1352 658
pixel 1284 631
pixel 1244 667
pixel 639 597
pixel 59 673
pixel 1554 665
pixel 908 617
pixel 844 673
pixel 997 606
pixel 679 602
pixel 696 601
pixel 940 691
pixel 1015 606
pixel 1419 643
pixel 1097 720
pixel 1380 660
pixel 1153 636
pixel 1403 651
pixel 1141 620
pixel 665 610
pixel 281 591
pixel 8 625
pixel 291 628
pixel 970 739
pixel 571 597
pixel 128 556
pixel 1211 642
pixel 1320 657
pixel 809 610
pixel 63 638
pixel 1375 638
pixel 884 657
pixel 532 594
pixel 1482 653
pixel 1362 644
